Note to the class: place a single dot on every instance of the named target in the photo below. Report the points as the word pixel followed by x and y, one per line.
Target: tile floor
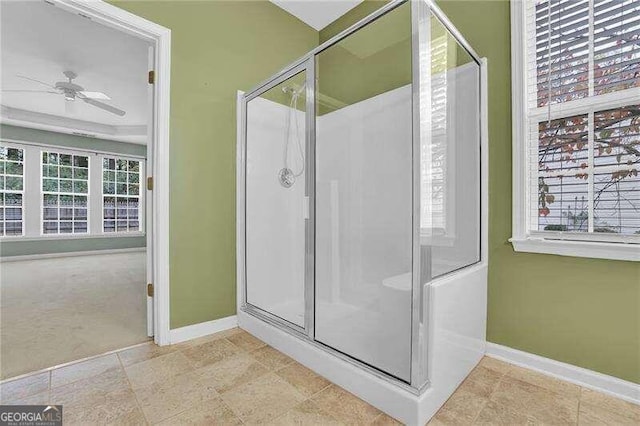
pixel 234 378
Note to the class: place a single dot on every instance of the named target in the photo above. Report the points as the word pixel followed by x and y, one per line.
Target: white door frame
pixel 160 37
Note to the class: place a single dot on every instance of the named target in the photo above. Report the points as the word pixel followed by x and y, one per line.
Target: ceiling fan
pixel 72 91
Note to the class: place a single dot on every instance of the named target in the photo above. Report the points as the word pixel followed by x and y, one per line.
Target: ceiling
pixel 317 13
pixel 41 41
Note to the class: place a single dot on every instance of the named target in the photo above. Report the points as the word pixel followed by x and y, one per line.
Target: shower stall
pixel 361 209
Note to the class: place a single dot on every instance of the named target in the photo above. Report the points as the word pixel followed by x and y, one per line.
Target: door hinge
pixel 150 290
pixel 152 77
pixel 150 183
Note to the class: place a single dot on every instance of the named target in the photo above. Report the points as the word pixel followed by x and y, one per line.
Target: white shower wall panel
pixel 275 238
pixel 363 217
pixel 364 230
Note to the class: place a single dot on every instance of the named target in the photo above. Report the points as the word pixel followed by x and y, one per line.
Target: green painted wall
pixel 360 66
pixel 61 245
pixel 218 47
pixel 584 312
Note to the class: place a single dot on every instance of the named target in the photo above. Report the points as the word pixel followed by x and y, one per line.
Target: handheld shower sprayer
pixel 287 176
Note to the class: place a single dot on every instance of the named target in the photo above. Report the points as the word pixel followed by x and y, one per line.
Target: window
pixel 576 94
pixel 11 190
pixel 435 183
pixel 121 194
pixel 55 192
pixel 65 190
pixel 437 174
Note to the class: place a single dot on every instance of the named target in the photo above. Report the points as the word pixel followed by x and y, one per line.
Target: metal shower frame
pixel 421 97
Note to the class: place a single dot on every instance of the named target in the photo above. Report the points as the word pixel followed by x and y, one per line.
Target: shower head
pixel 294 89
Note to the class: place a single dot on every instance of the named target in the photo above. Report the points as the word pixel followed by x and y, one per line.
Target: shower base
pixel 289 311
pixel 455 338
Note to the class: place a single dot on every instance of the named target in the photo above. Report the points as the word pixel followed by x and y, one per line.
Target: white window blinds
pixel 583 118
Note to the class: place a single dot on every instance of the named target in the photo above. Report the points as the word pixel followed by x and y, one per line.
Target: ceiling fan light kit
pixel 71 91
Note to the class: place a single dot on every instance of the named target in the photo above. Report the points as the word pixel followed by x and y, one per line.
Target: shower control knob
pixel 287 179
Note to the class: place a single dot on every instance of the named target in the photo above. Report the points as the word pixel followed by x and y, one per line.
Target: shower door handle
pixel 305 207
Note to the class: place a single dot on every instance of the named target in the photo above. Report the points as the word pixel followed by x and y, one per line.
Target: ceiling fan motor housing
pixel 68 89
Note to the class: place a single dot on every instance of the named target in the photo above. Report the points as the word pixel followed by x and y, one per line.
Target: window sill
pixel 590 249
pixel 54 237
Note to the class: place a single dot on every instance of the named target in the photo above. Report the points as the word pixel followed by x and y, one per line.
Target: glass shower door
pixel 450 180
pixel 363 247
pixel 276 209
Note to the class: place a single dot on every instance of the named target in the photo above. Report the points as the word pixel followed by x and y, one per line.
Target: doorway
pixel 78 263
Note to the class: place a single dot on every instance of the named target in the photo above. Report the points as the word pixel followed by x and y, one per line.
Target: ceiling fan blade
pixel 104 106
pixel 31 91
pixel 37 81
pixel 94 95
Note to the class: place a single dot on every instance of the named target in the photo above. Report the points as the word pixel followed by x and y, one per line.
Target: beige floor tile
pixel 246 341
pixel 495 365
pixel 263 399
pixel 157 370
pixel 174 395
pixel 610 403
pixel 307 413
pixel 210 352
pixel 21 388
pixel 591 415
pixel 303 379
pixel 85 369
pixel 482 381
pixel 544 381
pixel 211 412
pixel 208 338
pixel 114 408
pixel 41 398
pixel 104 399
pixel 496 414
pixel 233 385
pixel 461 408
pixel 344 406
pixel 108 381
pixel 532 400
pixel 437 421
pixel 447 418
pixel 233 372
pixel 386 420
pixel 143 353
pixel 271 358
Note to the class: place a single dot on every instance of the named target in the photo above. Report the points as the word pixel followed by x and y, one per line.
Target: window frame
pixel 3 236
pixel 141 195
pixel 524 238
pixel 73 152
pixel 32 228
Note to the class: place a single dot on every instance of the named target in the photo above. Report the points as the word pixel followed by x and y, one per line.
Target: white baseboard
pixel 71 254
pixel 194 331
pixel 580 376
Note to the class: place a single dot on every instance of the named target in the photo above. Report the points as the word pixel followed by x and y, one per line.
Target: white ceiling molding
pixel 37 120
pixel 317 13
